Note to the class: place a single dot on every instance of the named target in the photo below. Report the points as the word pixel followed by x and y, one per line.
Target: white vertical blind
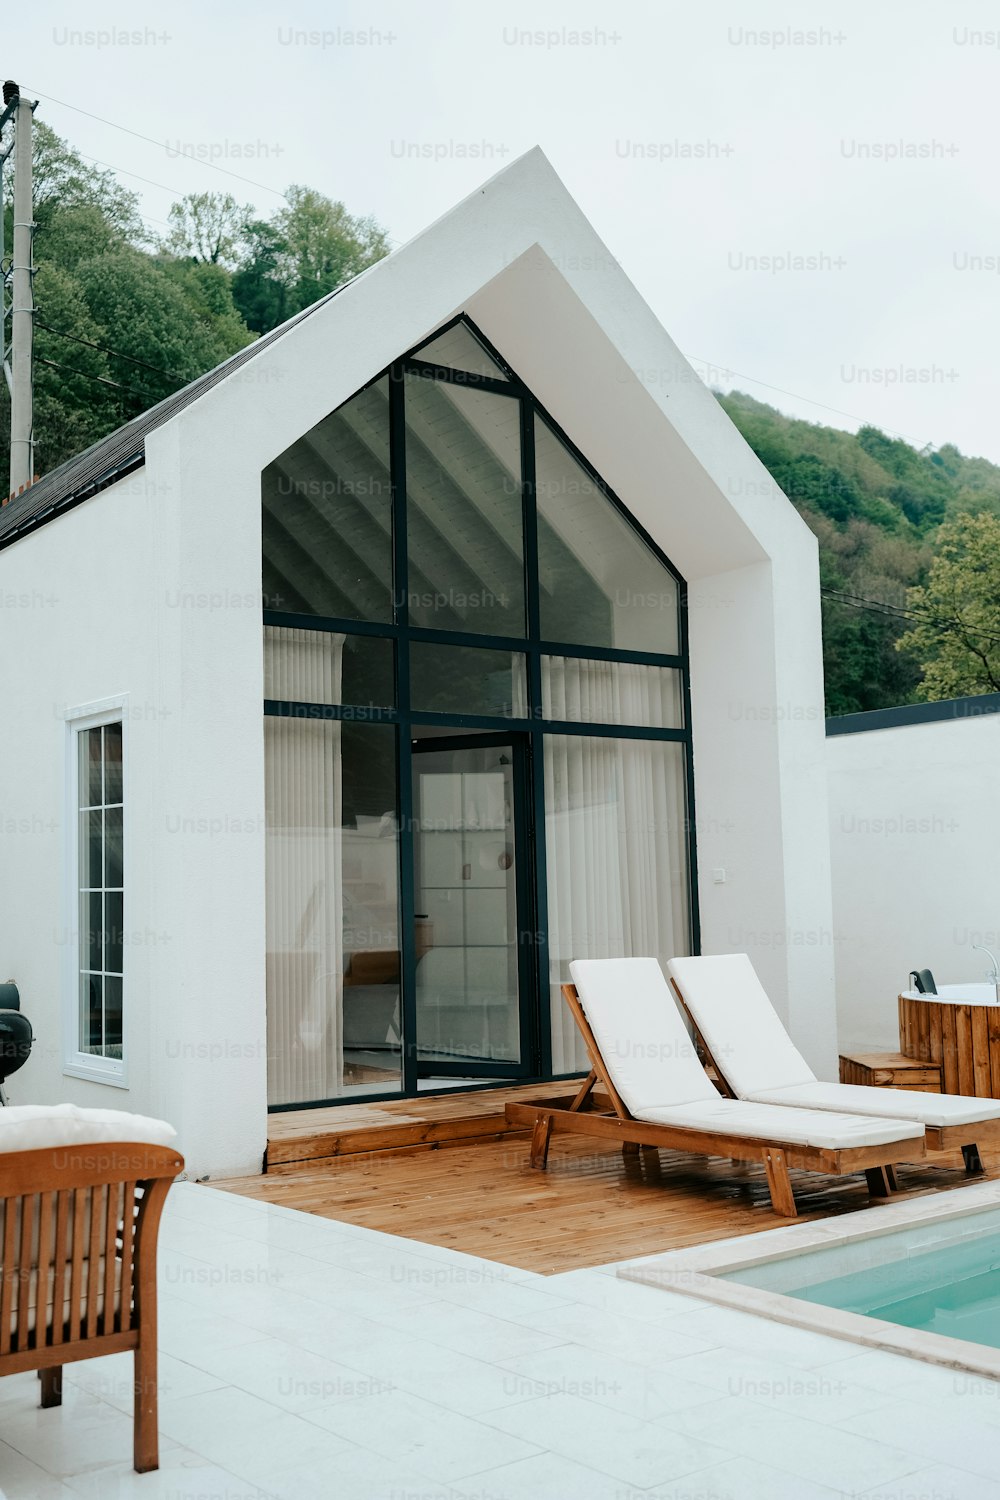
pixel 304 881
pixel 603 692
pixel 303 666
pixel 616 862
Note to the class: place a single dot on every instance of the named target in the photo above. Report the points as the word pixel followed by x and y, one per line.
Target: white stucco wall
pixel 93 607
pixel 915 822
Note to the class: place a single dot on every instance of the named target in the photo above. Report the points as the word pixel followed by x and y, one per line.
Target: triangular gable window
pixel 457 348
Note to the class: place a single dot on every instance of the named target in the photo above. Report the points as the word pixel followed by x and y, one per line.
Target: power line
pixel 851 416
pixel 880 607
pixel 264 187
pixel 54 364
pixel 126 173
pixel 115 353
pixel 160 145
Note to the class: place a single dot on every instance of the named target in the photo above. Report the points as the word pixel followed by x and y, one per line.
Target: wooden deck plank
pixel 589 1208
pixel 296 1136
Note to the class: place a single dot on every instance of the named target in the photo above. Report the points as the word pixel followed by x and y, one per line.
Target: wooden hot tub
pixel 957 1030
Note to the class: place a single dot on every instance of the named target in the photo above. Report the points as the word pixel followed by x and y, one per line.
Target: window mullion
pixel 404 789
pixel 530 516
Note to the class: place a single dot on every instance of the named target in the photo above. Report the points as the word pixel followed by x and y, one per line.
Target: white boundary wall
pixel 915 842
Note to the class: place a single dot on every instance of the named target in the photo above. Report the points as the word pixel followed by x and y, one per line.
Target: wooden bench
pixel 892 1070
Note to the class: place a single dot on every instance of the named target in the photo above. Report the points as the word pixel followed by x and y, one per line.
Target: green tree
pixel 73 400
pixel 869 548
pixel 146 316
pixel 308 248
pixel 259 292
pixel 858 562
pixel 208 290
pixel 208 227
pixel 957 637
pixel 323 245
pixel 62 179
pixel 80 212
pixel 920 489
pixel 75 233
pixel 120 324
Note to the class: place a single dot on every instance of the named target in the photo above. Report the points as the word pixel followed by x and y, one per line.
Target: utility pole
pixel 18 369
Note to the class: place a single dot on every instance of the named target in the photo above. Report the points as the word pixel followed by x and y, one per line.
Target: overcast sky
pixel 709 147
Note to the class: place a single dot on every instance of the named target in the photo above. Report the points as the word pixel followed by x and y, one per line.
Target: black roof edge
pixel 122 451
pixel 77 497
pixel 972 707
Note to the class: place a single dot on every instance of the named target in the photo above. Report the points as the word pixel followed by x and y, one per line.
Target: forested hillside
pixel 877 506
pixel 127 312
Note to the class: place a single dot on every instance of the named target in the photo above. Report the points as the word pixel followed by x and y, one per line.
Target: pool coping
pixel 696 1272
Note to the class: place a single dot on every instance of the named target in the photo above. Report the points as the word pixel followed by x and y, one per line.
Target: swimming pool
pixel 919 1277
pixel 943 1278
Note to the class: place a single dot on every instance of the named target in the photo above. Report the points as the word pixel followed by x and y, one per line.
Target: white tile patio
pixel 302 1357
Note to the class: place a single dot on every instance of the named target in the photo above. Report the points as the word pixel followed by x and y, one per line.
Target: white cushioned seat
pixel 34 1127
pixel 742 1030
pixel 888 1104
pixel 652 1062
pixel 798 1127
pixel 759 1061
pixel 643 1040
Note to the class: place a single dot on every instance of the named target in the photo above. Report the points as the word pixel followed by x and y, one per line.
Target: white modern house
pixel 448 633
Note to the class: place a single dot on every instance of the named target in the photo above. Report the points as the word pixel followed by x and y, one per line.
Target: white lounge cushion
pixel 745 1036
pixel 35 1127
pixel 741 1028
pixel 799 1127
pixel 888 1104
pixel 641 1035
pixel 653 1064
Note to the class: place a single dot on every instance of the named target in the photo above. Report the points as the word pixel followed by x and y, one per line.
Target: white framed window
pixel 96 980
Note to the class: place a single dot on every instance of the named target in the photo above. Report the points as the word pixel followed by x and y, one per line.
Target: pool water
pixel 955 1291
pixel 942 1278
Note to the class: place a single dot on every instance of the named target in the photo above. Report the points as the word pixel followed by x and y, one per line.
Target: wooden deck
pixel 304 1135
pixel 589 1208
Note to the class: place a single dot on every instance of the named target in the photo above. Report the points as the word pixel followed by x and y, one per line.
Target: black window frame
pixel 530 645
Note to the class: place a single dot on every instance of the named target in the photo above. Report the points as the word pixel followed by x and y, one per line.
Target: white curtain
pixel 602 692
pixel 616 852
pixel 304 870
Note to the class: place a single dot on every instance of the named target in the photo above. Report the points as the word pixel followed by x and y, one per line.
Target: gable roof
pixel 113 457
pixel 519 258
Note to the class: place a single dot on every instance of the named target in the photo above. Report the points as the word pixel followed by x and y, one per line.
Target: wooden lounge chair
pixel 81 1194
pixel 742 1033
pixel 657 1094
